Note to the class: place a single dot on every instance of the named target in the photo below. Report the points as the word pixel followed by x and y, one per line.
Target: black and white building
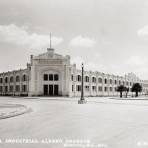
pixel 51 74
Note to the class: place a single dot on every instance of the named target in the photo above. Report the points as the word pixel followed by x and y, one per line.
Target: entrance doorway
pixel 56 90
pixel 51 90
pixel 46 90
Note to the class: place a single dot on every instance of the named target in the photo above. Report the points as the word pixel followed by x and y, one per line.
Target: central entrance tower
pixel 50 74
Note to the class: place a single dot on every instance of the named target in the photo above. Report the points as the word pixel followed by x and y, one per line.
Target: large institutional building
pixel 51 74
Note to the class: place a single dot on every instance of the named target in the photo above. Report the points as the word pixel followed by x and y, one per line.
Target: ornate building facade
pixel 51 74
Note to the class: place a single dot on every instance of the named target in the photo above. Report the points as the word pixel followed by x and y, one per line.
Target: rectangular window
pixel 1 80
pixel 78 78
pixel 1 89
pixel 105 88
pixel 100 88
pixel 78 87
pixel 111 89
pixel 11 88
pixel 17 88
pixel 72 88
pixel 45 77
pixel 115 81
pixel 24 88
pixel 6 88
pixel 56 77
pixel 71 77
pixel 105 81
pixel 94 88
pixel 87 88
pixel 50 77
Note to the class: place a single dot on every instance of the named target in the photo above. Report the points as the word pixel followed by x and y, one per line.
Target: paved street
pixel 111 122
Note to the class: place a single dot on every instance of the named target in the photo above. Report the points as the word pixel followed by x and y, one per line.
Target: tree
pixel 120 89
pixel 136 88
pixel 127 90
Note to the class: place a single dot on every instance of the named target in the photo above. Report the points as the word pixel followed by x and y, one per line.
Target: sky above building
pixel 109 36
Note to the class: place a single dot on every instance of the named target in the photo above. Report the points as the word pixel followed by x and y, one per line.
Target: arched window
pixel 24 77
pixel 6 80
pixel 115 81
pixel 100 80
pixel 105 81
pixel 11 79
pixel 86 79
pixel 110 81
pixel 17 78
pixel 93 79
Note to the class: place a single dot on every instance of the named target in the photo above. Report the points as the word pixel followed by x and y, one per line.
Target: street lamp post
pixel 82 99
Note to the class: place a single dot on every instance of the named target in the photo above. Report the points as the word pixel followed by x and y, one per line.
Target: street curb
pixel 24 109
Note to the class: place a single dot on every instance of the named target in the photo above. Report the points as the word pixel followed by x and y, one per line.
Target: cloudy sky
pixel 110 36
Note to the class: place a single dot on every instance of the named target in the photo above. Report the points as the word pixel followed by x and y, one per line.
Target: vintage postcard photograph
pixel 73 73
